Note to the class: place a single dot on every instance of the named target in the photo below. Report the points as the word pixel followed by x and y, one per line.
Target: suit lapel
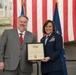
pixel 25 38
pixel 16 36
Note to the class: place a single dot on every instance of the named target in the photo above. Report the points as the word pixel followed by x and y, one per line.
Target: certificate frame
pixel 35 51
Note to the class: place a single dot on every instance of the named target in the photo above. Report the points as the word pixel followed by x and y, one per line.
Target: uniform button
pixel 19 55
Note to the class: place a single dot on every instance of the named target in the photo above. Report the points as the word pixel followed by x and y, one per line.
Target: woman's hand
pixel 46 59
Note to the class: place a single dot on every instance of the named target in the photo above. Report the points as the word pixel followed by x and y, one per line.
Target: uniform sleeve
pixel 58 47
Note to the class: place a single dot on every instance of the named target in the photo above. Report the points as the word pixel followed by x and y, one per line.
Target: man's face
pixel 22 24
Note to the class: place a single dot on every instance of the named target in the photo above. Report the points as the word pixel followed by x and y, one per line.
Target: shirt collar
pixel 21 32
pixel 48 35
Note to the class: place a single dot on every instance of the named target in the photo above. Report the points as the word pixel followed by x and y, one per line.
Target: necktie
pixel 46 39
pixel 21 39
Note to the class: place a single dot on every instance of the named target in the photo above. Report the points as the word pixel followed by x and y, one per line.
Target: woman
pixel 51 64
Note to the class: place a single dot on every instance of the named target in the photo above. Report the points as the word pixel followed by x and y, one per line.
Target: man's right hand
pixel 1 65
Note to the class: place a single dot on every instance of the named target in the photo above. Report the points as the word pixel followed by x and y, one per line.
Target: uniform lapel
pixel 49 38
pixel 43 40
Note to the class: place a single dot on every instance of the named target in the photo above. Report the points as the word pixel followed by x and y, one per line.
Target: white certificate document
pixel 35 51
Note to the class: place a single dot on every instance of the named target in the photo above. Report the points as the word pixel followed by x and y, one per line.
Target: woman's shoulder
pixel 43 38
pixel 58 37
pixel 57 34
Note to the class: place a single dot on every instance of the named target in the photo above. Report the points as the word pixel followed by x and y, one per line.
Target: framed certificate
pixel 35 51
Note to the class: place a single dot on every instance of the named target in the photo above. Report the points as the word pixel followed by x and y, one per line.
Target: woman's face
pixel 49 28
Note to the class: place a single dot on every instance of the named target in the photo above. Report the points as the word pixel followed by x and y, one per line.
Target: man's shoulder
pixel 9 30
pixel 30 33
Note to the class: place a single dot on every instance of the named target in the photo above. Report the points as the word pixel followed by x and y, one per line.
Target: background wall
pixel 70 52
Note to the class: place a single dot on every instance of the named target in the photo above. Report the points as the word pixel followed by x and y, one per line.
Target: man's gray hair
pixel 23 16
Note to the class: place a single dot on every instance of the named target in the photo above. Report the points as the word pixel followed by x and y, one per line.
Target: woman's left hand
pixel 46 59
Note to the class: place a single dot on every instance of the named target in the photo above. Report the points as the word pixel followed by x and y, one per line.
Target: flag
pixel 23 7
pixel 22 10
pixel 56 20
pixel 38 11
pixel 14 13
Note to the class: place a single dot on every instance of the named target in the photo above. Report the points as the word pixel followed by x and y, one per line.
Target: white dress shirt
pixel 23 33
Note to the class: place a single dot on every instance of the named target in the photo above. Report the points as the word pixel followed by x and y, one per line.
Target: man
pixel 13 52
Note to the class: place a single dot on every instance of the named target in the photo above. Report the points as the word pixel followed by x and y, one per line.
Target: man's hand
pixel 1 65
pixel 33 61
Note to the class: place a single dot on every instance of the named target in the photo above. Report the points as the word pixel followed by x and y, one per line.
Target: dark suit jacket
pixel 53 49
pixel 11 53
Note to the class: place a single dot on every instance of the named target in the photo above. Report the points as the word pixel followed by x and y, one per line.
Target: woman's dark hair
pixel 45 24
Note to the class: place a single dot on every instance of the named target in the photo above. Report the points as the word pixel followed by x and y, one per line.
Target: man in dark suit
pixel 51 64
pixel 13 52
